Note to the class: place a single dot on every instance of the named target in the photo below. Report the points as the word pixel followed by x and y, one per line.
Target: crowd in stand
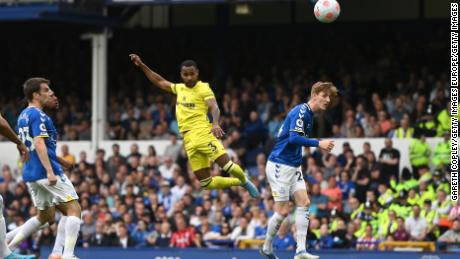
pixel 358 198
pixel 145 199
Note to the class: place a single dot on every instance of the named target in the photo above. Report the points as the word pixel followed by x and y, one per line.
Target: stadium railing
pixel 425 246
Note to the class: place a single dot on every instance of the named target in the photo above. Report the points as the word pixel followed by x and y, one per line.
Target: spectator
pixel 419 155
pixel 350 237
pixel 455 212
pixel 104 236
pixel 404 130
pixel 123 239
pixel 140 234
pixel 325 240
pixel 164 237
pixel 173 149
pixel 367 241
pixel 166 197
pixel 452 235
pixel 361 176
pixel 334 195
pixel 319 202
pixel 184 236
pixel 167 168
pixel 441 156
pixel 243 231
pixel 283 240
pixel 389 159
pixel 346 185
pixel 180 188
pixel 66 154
pixel 88 227
pixel 416 225
pixel 330 166
pixel 401 233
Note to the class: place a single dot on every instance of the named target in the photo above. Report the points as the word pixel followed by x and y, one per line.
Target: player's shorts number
pixel 212 147
pixel 299 175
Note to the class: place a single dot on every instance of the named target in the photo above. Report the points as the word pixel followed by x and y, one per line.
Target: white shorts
pixel 284 180
pixel 44 196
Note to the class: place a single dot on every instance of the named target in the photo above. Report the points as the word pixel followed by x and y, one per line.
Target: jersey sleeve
pixel 296 123
pixel 207 93
pixel 174 88
pixel 37 125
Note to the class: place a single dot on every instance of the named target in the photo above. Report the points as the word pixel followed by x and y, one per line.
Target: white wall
pixel 9 154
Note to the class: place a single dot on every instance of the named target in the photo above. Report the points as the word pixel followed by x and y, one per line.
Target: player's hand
pixel 327 145
pixel 23 152
pixel 135 59
pixel 217 131
pixel 52 179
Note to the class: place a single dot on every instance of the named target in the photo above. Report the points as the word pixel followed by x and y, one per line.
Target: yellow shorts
pixel 202 148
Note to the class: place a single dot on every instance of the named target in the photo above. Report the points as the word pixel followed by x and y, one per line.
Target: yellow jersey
pixel 191 106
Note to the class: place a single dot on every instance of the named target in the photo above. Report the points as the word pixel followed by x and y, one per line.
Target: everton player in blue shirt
pixel 283 167
pixel 48 185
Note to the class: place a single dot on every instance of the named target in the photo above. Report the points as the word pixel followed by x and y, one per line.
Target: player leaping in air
pixel 194 99
pixel 284 172
pixel 8 132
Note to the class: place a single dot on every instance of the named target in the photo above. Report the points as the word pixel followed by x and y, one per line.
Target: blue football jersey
pixel 32 123
pixel 299 120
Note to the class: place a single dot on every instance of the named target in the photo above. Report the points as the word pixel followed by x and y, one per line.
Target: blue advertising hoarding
pixel 155 253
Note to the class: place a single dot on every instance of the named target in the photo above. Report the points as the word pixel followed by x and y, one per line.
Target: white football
pixel 327 11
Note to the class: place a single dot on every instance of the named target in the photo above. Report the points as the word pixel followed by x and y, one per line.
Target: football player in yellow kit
pixel 194 99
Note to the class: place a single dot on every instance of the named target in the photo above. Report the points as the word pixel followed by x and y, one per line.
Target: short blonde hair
pixel 327 87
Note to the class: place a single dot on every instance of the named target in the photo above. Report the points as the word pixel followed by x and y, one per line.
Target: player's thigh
pixel 280 180
pixel 299 190
pixel 301 198
pixel 210 146
pixel 46 215
pixel 41 197
pixel 198 161
pixel 62 192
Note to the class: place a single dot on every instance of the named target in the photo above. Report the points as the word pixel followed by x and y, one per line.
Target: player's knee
pixel 45 218
pixel 284 213
pixel 304 203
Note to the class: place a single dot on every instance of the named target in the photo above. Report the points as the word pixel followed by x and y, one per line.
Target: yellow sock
pixel 219 182
pixel 235 170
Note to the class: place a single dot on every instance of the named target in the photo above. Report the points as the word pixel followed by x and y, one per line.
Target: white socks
pixel 4 250
pixel 72 227
pixel 31 225
pixel 273 226
pixel 60 237
pixel 302 218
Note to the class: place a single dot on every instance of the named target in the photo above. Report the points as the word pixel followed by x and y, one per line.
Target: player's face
pixel 189 75
pixel 323 100
pixel 47 98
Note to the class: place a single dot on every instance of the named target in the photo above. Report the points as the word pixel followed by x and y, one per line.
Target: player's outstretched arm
pixel 153 77
pixel 296 138
pixel 9 133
